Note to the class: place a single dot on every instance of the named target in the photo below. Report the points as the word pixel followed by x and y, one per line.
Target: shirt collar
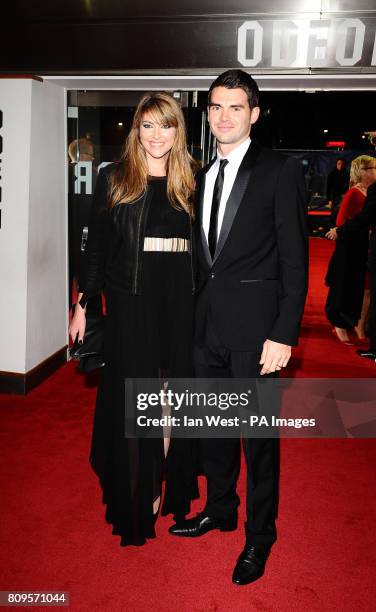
pixel 237 154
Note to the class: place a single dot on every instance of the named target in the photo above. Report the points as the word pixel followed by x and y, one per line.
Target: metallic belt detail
pixel 175 245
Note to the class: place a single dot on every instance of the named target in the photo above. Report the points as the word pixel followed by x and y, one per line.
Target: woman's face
pixel 156 139
pixel 368 174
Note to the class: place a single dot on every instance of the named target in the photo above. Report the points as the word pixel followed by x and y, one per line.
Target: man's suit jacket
pixel 256 285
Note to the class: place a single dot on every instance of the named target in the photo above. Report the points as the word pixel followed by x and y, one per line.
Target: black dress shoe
pixel 251 564
pixel 368 354
pixel 202 523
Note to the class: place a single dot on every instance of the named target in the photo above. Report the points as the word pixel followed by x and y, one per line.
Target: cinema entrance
pixel 69 87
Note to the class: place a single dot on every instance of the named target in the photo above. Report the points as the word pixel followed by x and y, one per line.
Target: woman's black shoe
pixel 368 354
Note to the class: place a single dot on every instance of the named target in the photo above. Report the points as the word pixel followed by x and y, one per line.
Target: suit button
pixel 212 275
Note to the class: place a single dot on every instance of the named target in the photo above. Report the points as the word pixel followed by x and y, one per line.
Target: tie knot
pixel 222 164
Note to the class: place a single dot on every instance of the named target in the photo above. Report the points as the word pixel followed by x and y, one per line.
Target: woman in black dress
pixel 140 254
pixel 348 297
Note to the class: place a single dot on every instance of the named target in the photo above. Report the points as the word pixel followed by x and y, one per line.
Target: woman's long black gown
pixel 146 336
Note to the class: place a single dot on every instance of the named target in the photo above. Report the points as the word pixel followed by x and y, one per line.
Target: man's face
pixel 340 164
pixel 230 117
pixel 89 153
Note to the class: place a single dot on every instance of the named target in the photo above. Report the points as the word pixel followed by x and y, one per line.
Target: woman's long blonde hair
pixel 357 164
pixel 129 181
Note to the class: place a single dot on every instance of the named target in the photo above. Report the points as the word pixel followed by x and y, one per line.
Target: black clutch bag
pixel 90 352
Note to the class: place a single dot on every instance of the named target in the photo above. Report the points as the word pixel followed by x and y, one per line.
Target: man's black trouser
pixel 221 457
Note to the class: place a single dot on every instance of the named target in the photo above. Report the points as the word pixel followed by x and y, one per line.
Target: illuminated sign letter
pixel 373 60
pixel 83 174
pixel 342 37
pixel 244 32
pixel 284 43
pixel 318 43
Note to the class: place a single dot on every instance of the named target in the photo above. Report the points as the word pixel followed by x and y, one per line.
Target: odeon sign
pixel 296 43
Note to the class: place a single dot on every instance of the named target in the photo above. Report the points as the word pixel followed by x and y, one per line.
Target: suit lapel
pixel 236 196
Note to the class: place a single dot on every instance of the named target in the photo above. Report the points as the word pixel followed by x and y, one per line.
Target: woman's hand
pixel 332 234
pixel 78 323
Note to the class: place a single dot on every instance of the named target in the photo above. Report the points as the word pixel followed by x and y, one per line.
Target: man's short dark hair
pixel 238 79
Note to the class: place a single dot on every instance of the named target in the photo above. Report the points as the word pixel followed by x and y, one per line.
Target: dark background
pixel 289 120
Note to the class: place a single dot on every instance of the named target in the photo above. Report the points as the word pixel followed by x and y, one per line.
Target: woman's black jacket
pixel 115 242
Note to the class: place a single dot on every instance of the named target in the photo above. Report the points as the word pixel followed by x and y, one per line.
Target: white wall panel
pixel 15 104
pixel 33 234
pixel 47 242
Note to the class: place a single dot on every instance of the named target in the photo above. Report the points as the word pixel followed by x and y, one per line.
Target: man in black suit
pixel 251 289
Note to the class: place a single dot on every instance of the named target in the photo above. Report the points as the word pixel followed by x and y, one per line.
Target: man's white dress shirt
pixel 234 158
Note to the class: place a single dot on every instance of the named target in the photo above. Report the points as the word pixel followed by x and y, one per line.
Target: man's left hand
pixel 275 356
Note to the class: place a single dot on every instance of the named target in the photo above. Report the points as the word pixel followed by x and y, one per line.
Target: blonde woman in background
pixel 348 298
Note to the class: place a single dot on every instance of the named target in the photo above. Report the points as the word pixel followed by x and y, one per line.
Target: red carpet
pixel 53 534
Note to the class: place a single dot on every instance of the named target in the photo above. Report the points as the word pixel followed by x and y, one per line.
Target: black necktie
pixel 217 193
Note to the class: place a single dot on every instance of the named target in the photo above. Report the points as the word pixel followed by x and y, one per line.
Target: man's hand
pixel 332 234
pixel 275 356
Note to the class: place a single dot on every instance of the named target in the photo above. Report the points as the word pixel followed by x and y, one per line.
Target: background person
pixel 81 149
pixel 348 297
pixel 363 220
pixel 79 207
pixel 337 185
